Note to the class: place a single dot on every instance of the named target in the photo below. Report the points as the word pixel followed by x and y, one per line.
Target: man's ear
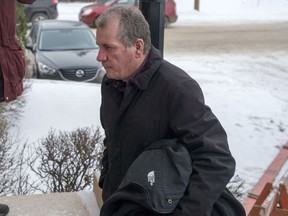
pixel 139 45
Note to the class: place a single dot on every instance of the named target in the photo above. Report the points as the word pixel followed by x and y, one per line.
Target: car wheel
pixel 38 16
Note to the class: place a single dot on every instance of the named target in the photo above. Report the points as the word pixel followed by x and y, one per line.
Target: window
pixel 67 39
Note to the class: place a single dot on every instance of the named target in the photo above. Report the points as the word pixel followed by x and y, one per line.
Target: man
pixel 146 99
pixel 12 62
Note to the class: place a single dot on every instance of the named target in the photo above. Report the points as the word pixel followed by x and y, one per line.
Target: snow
pixel 247 92
pixel 233 11
pixel 220 11
pixel 89 200
pixel 59 105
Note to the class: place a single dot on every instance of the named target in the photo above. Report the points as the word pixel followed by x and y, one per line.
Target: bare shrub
pixel 14 179
pixel 65 161
pixel 6 160
pixel 236 186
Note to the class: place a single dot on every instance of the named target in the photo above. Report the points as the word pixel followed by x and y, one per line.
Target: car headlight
pixel 87 12
pixel 45 69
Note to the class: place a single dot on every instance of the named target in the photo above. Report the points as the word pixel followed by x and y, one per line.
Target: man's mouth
pixel 106 66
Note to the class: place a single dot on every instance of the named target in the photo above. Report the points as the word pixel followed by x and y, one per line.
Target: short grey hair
pixel 132 25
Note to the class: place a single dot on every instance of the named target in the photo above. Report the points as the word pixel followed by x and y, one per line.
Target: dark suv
pixel 41 10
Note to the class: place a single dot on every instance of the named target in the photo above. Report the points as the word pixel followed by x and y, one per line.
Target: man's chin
pixel 110 76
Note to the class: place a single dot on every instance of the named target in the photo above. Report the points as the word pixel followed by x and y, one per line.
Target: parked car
pixel 41 10
pixel 90 13
pixel 65 50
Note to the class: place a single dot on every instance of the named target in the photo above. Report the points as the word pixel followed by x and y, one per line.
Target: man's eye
pixel 109 48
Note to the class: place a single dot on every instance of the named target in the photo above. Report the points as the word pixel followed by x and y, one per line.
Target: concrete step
pixel 82 203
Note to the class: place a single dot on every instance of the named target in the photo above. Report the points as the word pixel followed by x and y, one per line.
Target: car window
pixel 66 39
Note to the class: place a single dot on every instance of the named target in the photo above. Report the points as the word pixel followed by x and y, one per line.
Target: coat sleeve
pixel 104 168
pixel 204 137
pixel 104 161
pixel 26 1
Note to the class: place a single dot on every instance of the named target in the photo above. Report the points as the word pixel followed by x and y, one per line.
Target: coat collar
pixel 152 64
pixel 142 79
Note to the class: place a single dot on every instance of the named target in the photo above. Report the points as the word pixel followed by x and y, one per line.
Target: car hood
pixel 69 59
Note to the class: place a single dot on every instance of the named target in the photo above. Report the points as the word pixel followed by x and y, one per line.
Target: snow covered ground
pixel 247 92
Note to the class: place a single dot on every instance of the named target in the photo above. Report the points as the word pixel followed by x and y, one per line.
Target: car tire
pixel 38 16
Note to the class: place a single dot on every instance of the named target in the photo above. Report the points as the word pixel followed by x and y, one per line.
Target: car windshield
pixel 67 39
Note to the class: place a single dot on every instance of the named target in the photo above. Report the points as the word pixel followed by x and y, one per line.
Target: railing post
pixel 197 5
pixel 154 12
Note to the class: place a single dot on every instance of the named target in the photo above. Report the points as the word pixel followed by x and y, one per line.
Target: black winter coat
pixel 154 183
pixel 163 102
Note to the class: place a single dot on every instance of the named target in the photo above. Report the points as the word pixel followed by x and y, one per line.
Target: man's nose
pixel 101 56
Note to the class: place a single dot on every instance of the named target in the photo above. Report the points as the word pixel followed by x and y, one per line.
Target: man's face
pixel 120 62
